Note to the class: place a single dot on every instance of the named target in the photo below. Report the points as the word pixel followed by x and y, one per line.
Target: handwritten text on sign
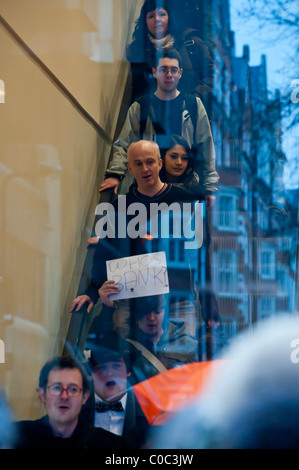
pixel 139 276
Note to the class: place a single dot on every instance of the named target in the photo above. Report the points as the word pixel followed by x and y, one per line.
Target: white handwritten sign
pixel 139 276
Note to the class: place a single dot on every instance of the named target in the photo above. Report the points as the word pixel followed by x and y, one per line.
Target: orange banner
pixel 162 395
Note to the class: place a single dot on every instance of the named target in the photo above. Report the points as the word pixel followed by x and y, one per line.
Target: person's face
pixel 151 323
pixel 110 379
pixel 145 164
pixel 157 22
pixel 167 74
pixel 63 409
pixel 176 161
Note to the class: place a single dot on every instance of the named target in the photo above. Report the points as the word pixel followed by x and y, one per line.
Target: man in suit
pixel 64 389
pixel 116 408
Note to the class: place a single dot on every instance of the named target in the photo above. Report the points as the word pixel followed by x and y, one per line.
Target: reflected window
pixel 267 263
pixel 227 151
pixel 227 271
pixel 262 217
pixel 2 92
pixel 227 212
pixel 266 306
pixel 263 167
pixel 99 44
pixel 285 282
pixel 217 136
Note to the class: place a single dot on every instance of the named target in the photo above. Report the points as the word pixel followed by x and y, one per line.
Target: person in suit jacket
pixel 116 408
pixel 64 390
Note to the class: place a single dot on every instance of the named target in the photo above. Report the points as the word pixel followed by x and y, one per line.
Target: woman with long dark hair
pixel 156 29
pixel 177 166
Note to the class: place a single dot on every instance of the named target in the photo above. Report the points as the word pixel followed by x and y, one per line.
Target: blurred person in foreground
pixel 7 427
pixel 64 388
pixel 252 402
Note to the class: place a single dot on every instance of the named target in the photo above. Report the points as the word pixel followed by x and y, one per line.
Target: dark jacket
pixel 136 427
pixel 113 248
pixel 189 181
pixel 38 435
pixel 174 348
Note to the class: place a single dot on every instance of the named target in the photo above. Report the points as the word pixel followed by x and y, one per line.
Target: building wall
pixel 63 74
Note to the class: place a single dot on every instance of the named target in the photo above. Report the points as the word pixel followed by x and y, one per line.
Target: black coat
pixel 113 248
pixel 136 427
pixel 38 435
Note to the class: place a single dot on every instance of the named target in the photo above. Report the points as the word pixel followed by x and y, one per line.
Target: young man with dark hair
pixel 163 343
pixel 64 389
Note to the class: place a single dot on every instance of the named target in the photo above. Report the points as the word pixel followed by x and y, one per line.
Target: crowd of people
pixel 164 154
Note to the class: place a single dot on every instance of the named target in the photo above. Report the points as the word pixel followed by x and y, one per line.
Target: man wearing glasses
pixel 64 389
pixel 163 113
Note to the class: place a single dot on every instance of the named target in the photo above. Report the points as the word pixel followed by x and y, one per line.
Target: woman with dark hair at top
pixel 177 166
pixel 156 29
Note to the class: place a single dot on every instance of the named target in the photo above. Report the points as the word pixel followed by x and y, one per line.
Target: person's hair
pixel 63 362
pixel 167 143
pixel 149 141
pixel 109 347
pixel 141 306
pixel 167 53
pixel 141 31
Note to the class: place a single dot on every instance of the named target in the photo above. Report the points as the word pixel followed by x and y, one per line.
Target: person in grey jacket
pixel 165 112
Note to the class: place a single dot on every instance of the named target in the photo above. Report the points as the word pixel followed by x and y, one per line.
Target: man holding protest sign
pixel 144 163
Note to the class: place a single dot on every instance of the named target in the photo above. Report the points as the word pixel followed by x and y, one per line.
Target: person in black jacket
pixel 64 389
pixel 156 29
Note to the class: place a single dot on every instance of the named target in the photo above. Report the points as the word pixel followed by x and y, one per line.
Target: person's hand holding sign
pixel 107 289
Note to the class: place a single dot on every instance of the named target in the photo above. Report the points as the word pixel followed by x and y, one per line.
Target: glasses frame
pixel 64 389
pixel 169 69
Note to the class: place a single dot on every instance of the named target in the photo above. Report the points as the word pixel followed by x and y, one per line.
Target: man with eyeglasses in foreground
pixel 166 112
pixel 64 389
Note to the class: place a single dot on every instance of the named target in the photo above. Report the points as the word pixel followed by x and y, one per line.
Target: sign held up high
pixel 139 276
